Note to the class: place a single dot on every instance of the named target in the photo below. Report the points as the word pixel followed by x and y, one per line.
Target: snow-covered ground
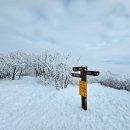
pixel 27 105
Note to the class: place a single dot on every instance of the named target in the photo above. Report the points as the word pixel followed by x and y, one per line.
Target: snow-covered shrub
pixel 51 67
pixel 13 64
pixel 2 67
pixel 109 79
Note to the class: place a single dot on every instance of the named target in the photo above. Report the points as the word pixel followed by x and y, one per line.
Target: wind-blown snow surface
pixel 27 105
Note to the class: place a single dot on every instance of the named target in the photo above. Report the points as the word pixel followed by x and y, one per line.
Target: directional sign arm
pixel 93 73
pixel 76 75
pixel 78 68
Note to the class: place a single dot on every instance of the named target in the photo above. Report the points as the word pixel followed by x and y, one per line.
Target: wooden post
pixel 84 99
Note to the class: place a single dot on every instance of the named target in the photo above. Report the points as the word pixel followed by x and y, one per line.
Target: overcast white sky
pixel 97 31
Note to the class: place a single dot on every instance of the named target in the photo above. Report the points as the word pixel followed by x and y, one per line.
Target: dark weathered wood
pixel 84 99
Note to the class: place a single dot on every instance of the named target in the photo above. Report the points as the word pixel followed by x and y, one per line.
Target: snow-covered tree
pixel 52 67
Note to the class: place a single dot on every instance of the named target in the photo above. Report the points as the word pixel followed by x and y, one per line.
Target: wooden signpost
pixel 83 83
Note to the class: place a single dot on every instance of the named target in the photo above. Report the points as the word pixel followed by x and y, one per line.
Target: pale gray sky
pixel 97 31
